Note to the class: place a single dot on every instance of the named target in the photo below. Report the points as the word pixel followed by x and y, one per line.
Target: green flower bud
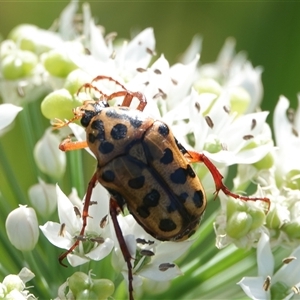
pixel 83 286
pixel 87 295
pixel 258 217
pixel 239 100
pixel 239 224
pixel 75 80
pixel 48 157
pixel 31 38
pixel 265 163
pixel 292 229
pixel 13 282
pixel 273 219
pixel 212 145
pixel 292 180
pixel 208 85
pixel 78 282
pixel 59 104
pixel 103 288
pixel 21 33
pixel 233 206
pixel 18 64
pixel 43 198
pixel 22 228
pixel 58 63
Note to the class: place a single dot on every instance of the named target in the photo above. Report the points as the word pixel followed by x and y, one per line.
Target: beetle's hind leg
pixel 114 210
pixel 193 156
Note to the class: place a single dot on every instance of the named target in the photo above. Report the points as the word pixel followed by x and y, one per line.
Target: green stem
pixel 15 188
pixel 76 172
pixel 42 284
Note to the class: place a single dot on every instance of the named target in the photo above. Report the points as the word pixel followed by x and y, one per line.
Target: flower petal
pixel 51 232
pixel 253 288
pixel 265 260
pixel 289 273
pixel 8 112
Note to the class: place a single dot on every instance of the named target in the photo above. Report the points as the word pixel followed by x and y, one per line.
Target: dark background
pixel 268 31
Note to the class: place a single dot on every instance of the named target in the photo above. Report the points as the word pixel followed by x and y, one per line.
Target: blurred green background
pixel 268 31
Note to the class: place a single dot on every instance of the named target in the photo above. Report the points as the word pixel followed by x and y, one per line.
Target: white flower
pixel 22 228
pixel 159 265
pixel 42 196
pixel 286 137
pixel 65 237
pixel 287 276
pixel 8 112
pixel 48 157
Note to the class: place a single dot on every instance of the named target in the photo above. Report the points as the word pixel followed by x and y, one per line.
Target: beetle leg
pixel 128 96
pixel 85 214
pixel 69 145
pixel 193 156
pixel 114 209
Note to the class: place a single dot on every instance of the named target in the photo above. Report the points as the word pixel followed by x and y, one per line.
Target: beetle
pixel 142 166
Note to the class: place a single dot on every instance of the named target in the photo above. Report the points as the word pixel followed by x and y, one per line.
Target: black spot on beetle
pixel 198 198
pixel 190 171
pixel 143 212
pixel 135 122
pixel 167 157
pixel 106 147
pixel 180 147
pixel 163 129
pixel 179 176
pixel 118 132
pixel 137 183
pixel 152 198
pixel 183 196
pixel 167 225
pixel 108 176
pixel 99 126
pixel 92 138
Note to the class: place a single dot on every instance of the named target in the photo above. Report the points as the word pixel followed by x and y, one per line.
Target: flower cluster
pixel 211 108
pixel 13 286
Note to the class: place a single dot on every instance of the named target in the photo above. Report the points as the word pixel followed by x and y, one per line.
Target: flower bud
pixel 265 163
pixel 208 85
pixel 212 145
pixel 83 286
pixel 18 64
pixel 22 228
pixel 59 104
pixel 57 61
pixel 48 157
pixel 238 225
pixel 292 229
pixel 239 100
pixel 13 282
pixel 292 180
pixel 75 80
pixel 242 218
pixel 274 220
pixel 43 198
pixel 30 37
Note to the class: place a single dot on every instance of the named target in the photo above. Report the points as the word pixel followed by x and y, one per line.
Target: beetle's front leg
pixel 193 156
pixel 69 145
pixel 85 214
